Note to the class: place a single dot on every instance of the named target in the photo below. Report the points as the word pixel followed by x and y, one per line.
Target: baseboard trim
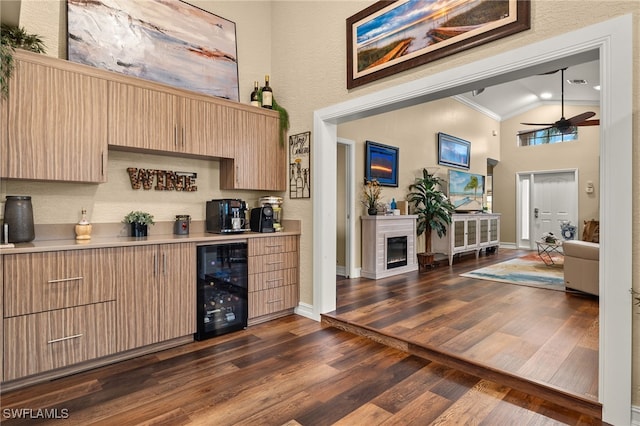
pixel 306 310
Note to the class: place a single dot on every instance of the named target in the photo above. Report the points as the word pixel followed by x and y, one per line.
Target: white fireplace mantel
pixel 376 230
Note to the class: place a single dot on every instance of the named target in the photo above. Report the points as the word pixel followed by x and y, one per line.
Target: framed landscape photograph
pixel 392 36
pixel 381 163
pixel 170 42
pixel 453 151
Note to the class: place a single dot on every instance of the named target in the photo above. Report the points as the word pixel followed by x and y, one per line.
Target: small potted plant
pixel 139 222
pixel 371 193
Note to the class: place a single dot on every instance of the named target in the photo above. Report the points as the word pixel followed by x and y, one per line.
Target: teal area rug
pixel 528 270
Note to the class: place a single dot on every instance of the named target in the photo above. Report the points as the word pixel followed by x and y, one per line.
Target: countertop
pixel 105 241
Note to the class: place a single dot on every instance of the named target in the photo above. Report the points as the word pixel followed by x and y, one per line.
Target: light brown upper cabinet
pixel 259 161
pixel 154 120
pixel 56 123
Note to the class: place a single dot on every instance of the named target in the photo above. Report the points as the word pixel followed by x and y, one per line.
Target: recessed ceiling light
pixel 577 81
pixel 545 95
pixel 597 87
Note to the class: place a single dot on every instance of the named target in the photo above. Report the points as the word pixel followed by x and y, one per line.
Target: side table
pixel 545 251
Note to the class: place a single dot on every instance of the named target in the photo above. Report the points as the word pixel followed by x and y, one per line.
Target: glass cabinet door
pixel 472 232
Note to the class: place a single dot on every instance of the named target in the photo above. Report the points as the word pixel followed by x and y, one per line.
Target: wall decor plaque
pixel 300 165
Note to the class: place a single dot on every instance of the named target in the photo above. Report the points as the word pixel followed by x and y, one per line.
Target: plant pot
pixel 138 230
pixel 372 211
pixel 426 260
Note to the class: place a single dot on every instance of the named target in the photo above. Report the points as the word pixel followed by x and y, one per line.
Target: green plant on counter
pixel 140 217
pixel 12 37
pixel 284 118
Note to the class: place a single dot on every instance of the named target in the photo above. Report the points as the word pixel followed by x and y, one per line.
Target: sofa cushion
pixel 581 249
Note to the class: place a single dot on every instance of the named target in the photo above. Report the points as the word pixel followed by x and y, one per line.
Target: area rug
pixel 528 270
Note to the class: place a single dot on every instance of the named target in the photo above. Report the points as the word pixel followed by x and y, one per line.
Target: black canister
pixel 18 215
pixel 181 225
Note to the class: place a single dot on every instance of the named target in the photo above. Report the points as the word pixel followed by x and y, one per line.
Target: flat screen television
pixel 466 191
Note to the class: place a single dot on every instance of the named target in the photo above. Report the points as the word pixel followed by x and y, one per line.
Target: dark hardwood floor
pixel 294 371
pixel 540 341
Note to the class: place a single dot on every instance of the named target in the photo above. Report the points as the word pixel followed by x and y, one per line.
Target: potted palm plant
pixel 139 222
pixel 434 211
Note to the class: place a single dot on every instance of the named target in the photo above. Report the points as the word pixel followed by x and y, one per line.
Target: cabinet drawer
pixel 48 340
pixel 272 300
pixel 272 262
pixel 37 282
pixel 270 245
pixel 267 280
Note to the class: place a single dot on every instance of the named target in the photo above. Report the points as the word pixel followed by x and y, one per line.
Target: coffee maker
pixel 262 219
pixel 226 216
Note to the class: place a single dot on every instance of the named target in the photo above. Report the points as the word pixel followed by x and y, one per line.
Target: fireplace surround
pixel 388 245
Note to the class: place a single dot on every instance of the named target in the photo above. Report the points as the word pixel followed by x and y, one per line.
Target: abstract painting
pixel 166 41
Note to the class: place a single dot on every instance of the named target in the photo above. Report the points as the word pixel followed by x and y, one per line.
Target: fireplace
pixel 396 252
pixel 388 245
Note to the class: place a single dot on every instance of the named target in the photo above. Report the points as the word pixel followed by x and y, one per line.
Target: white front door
pixel 552 200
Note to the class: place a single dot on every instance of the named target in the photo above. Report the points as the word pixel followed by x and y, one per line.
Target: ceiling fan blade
pixel 595 122
pixel 526 132
pixel 538 124
pixel 580 118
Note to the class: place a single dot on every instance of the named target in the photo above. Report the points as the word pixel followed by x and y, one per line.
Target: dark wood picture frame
pixel 453 151
pixel 368 18
pixel 381 163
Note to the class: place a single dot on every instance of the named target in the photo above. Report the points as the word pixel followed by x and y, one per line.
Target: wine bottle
pixel 267 94
pixel 255 100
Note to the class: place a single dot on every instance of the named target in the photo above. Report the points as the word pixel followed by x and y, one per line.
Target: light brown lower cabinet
pixel 273 277
pixel 157 296
pixel 47 340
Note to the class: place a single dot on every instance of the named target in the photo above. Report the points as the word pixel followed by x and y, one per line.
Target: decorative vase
pixel 18 216
pixel 372 211
pixel 138 230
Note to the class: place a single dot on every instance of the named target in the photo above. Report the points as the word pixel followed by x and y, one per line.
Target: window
pixel 547 136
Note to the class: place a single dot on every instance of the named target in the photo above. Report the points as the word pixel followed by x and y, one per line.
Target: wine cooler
pixel 222 289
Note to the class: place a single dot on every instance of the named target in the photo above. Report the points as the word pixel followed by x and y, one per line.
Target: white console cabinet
pixel 468 232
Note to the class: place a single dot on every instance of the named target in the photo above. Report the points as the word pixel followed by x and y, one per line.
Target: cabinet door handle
pixel 155 265
pixel 63 280
pixel 274 245
pixel 274 280
pixel 274 301
pixel 62 339
pixel 175 136
pixel 184 136
pixel 275 263
pixel 164 264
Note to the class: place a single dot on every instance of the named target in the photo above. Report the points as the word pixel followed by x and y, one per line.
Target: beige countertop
pixel 197 236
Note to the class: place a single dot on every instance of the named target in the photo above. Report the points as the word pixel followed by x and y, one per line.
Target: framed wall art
pixel 381 163
pixel 300 165
pixel 453 151
pixel 393 36
pixel 170 42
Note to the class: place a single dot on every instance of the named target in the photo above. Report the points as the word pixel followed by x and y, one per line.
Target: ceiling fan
pixel 564 125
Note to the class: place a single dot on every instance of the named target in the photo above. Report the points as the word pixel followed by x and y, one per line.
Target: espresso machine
pixel 225 216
